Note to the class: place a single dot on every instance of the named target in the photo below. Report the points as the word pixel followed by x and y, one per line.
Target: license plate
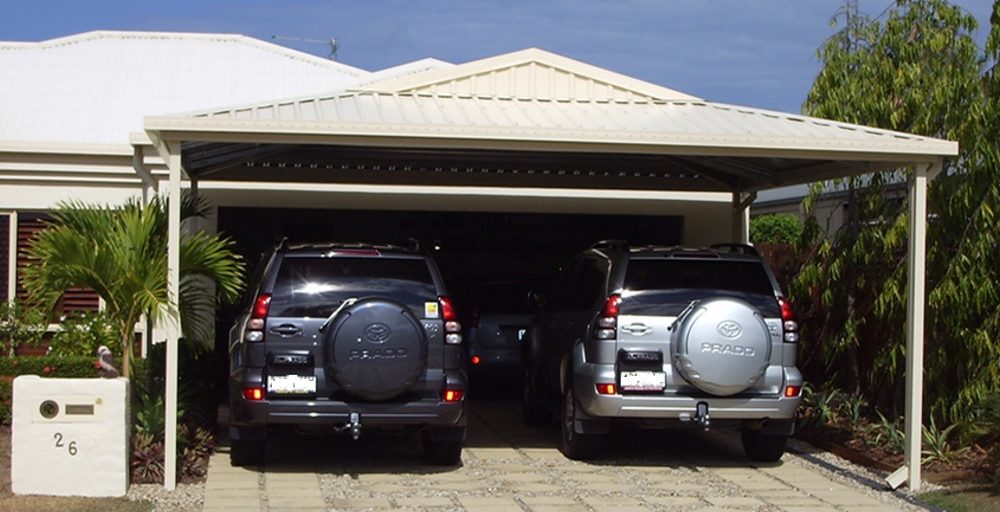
pixel 643 381
pixel 291 384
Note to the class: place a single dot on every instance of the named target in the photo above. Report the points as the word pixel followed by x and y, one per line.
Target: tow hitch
pixel 701 415
pixel 352 427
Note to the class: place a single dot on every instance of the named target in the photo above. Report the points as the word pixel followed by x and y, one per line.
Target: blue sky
pixel 760 53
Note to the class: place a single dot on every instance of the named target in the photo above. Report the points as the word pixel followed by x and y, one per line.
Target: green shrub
pixel 20 326
pixel 775 228
pixel 44 366
pixel 82 333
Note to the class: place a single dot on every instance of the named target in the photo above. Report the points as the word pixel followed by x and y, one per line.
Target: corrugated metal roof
pixel 687 124
pixel 96 87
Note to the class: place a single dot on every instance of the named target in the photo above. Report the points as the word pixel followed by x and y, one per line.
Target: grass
pixel 965 498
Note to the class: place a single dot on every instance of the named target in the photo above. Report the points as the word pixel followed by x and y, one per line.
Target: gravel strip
pixel 186 497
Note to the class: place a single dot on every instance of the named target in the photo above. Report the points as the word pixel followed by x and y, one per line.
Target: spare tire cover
pixel 721 345
pixel 376 349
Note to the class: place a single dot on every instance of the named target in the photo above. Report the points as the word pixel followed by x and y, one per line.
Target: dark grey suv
pixel 346 337
pixel 665 336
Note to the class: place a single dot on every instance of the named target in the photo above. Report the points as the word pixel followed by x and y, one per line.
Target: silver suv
pixel 665 336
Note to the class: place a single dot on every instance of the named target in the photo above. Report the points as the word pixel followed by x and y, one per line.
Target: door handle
pixel 287 330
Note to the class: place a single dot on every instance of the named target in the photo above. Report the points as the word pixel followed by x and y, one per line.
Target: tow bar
pixel 352 427
pixel 701 415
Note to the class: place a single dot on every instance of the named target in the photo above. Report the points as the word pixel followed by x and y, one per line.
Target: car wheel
pixel 762 447
pixel 246 453
pixel 532 412
pixel 443 452
pixel 573 444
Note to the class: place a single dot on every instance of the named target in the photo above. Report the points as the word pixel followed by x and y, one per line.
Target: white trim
pixel 12 257
pixel 442 190
pixel 171 320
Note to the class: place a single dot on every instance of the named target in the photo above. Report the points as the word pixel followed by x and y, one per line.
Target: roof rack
pixel 735 248
pixel 349 245
pixel 614 245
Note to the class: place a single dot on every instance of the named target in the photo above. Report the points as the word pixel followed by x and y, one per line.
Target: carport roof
pixel 534 101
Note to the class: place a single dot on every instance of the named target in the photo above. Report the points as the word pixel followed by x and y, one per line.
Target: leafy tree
pixel 775 228
pixel 917 70
pixel 121 253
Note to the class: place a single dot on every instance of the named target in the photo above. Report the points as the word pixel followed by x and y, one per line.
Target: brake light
pixel 607 323
pixel 611 306
pixel 261 306
pixel 475 360
pixel 789 325
pixel 255 326
pixel 253 394
pixel 453 395
pixel 792 391
pixel 448 313
pixel 452 327
pixel 606 389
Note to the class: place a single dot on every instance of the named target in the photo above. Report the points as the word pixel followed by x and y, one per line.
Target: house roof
pixel 537 101
pixel 94 88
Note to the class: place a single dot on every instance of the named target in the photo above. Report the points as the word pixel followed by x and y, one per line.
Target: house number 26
pixel 71 447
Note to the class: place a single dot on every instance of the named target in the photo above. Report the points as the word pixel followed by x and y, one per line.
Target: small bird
pixel 105 363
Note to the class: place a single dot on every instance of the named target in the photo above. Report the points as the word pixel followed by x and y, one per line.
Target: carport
pixel 532 129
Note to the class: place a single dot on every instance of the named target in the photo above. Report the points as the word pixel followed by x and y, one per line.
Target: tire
pixel 532 411
pixel 574 445
pixel 442 452
pixel 246 453
pixel 721 345
pixel 376 349
pixel 761 447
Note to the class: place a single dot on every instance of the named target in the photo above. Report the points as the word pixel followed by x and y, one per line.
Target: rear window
pixel 315 286
pixel 667 286
pixel 507 298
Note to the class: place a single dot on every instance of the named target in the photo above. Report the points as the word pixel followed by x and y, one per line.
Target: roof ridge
pixel 203 36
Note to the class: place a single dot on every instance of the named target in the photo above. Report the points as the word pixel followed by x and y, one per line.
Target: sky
pixel 759 53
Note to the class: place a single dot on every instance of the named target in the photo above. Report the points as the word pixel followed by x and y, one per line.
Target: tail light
pixel 453 395
pixel 253 394
pixel 789 325
pixel 258 317
pixel 607 322
pixel 475 360
pixel 452 327
pixel 606 388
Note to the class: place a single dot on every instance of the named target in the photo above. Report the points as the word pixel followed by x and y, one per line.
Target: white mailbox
pixel 70 437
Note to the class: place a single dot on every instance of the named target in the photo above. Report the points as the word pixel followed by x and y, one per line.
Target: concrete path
pixel 508 466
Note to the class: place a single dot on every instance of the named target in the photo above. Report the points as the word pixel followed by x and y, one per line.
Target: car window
pixel 667 286
pixel 315 286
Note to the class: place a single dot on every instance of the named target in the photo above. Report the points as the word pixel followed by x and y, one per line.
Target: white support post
pixel 916 277
pixel 12 258
pixel 149 185
pixel 173 323
pixel 741 216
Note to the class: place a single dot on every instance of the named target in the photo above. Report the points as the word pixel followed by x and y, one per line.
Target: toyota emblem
pixel 730 329
pixel 377 333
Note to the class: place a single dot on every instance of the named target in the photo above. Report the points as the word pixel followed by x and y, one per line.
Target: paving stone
pixel 873 508
pixel 452 486
pixel 444 477
pixel 294 501
pixel 548 500
pixel 545 454
pixel 438 501
pixel 245 503
pixel 494 453
pixel 591 478
pixel 789 498
pixel 559 508
pixel 844 496
pixel 733 501
pixel 817 508
pixel 483 501
pixel 507 468
pixel 608 487
pixel 341 503
pixel 521 477
pixel 388 488
pixel 673 501
pixel 535 487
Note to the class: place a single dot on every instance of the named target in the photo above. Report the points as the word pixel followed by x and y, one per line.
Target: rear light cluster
pixel 789 326
pixel 453 395
pixel 606 389
pixel 607 322
pixel 255 326
pixel 452 328
pixel 255 394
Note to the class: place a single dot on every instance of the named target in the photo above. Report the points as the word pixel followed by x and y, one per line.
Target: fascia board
pixel 249 130
pixel 65 148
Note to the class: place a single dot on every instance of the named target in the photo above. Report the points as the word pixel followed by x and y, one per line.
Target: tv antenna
pixel 331 43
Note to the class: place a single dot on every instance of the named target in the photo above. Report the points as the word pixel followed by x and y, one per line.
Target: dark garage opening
pixel 527 249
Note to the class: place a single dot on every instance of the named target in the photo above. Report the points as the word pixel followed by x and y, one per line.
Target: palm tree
pixel 121 253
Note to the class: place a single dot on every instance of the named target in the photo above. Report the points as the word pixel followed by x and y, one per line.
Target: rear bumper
pixel 676 406
pixel 419 411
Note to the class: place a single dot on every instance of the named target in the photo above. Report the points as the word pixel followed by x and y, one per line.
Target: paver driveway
pixel 509 466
